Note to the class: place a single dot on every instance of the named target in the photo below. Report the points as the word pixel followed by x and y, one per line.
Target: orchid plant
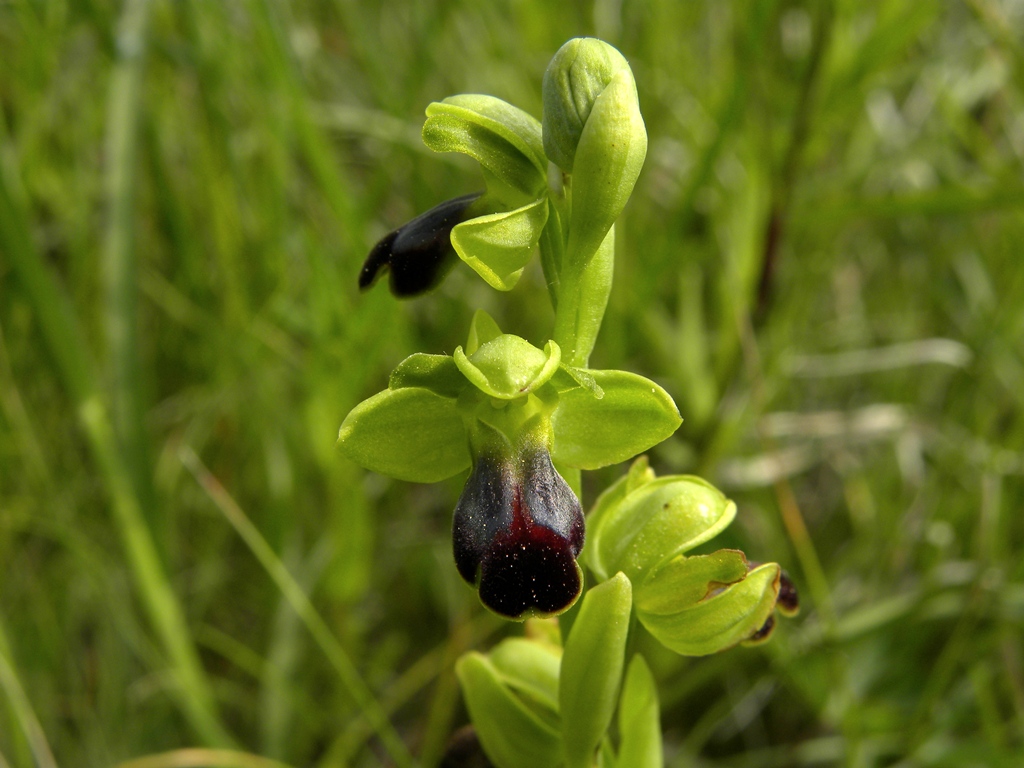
pixel 526 419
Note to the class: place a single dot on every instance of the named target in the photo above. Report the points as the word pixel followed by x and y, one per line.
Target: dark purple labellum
pixel 788 601
pixel 764 632
pixel 517 530
pixel 418 254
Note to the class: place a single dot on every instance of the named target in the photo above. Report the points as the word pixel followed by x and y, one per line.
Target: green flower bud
pixel 575 78
pixel 656 521
pixel 593 129
pixel 704 604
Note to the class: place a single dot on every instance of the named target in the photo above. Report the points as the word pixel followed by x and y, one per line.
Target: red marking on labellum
pixel 517 530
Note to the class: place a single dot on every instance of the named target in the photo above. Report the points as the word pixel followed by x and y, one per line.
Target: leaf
pixel 438 373
pixel 410 433
pixel 639 719
pixel 592 668
pixel 529 667
pixel 498 246
pixel 511 735
pixel 634 415
pixel 663 518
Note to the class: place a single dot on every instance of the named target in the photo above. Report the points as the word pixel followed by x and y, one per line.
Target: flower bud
pixel 418 254
pixel 517 531
pixel 593 129
pixel 577 75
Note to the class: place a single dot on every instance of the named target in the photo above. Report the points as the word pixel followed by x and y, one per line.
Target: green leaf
pixel 595 286
pixel 639 719
pixel 661 519
pixel 530 668
pixel 505 140
pixel 608 160
pixel 634 414
pixel 508 367
pixel 410 433
pixel 498 246
pixel 512 736
pixel 592 668
pixel 481 330
pixel 716 622
pixel 438 373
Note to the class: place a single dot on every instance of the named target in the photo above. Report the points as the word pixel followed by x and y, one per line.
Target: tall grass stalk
pixel 120 264
pixel 300 603
pixel 66 343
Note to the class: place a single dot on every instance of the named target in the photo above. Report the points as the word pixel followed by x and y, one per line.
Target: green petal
pixel 410 434
pixel 634 415
pixel 505 140
pixel 663 518
pixel 498 246
pixel 438 373
pixel 481 330
pixel 511 735
pixel 592 668
pixel 639 719
pixel 508 367
pixel 713 624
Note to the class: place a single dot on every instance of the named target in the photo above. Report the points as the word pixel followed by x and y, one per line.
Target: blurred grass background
pixel 821 262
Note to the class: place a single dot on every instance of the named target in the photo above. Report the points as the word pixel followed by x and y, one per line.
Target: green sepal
pixel 505 140
pixel 511 734
pixel 530 668
pixel 724 617
pixel 438 373
pixel 686 581
pixel 639 474
pixel 608 160
pixel 634 415
pixel 498 246
pixel 482 329
pixel 508 367
pixel 663 518
pixel 639 719
pixel 592 669
pixel 410 434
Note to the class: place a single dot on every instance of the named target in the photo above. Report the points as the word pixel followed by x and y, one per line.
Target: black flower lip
pixel 419 254
pixel 517 531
